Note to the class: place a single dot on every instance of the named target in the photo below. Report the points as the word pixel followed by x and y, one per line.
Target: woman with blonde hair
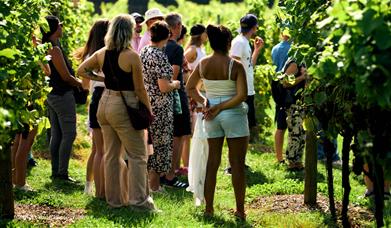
pixel 124 83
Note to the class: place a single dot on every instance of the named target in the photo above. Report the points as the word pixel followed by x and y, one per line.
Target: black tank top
pixel 115 77
pixel 60 87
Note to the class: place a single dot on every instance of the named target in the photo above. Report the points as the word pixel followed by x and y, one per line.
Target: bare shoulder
pixel 130 55
pixel 237 64
pixel 55 51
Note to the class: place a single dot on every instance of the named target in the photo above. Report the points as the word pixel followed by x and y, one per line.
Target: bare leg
pixel 237 156
pixel 279 143
pixel 21 158
pixel 98 163
pixel 90 163
pixel 154 180
pixel 185 151
pixel 214 159
pixel 176 156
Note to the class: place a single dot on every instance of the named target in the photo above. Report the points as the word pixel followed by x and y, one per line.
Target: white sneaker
pixel 89 188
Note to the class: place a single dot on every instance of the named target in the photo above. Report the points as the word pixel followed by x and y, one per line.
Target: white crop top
pixel 200 54
pixel 218 88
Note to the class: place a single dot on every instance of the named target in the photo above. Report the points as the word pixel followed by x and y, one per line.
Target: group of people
pixel 120 67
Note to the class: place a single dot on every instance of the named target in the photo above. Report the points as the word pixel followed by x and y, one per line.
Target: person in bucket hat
pixel 151 16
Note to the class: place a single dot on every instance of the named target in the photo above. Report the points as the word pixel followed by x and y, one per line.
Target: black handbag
pixel 80 95
pixel 141 118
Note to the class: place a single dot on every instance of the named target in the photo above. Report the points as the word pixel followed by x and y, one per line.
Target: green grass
pixel 265 178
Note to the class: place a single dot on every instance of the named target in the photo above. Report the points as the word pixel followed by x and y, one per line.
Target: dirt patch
pixel 295 203
pixel 46 215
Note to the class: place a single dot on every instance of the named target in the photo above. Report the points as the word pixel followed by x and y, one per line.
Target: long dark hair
pixel 95 40
pixel 53 23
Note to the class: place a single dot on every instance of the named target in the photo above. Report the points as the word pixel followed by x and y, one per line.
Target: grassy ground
pixel 265 178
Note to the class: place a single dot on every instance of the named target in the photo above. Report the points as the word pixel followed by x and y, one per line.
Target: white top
pixel 200 54
pixel 240 47
pixel 94 83
pixel 218 88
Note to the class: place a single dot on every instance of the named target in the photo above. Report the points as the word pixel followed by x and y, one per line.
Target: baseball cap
pixel 197 29
pixel 153 13
pixel 247 22
pixel 137 17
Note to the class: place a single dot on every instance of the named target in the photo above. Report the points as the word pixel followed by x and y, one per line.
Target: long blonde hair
pixel 120 32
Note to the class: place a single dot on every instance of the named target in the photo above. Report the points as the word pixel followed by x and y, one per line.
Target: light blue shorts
pixel 231 123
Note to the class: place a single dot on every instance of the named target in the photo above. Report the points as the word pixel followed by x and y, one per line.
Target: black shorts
pixel 280 118
pixel 96 95
pixel 252 121
pixel 182 122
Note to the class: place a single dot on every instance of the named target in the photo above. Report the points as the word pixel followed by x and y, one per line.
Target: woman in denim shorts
pixel 225 113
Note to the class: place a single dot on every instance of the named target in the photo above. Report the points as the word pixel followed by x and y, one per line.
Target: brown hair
pixel 220 38
pixel 159 31
pixel 96 40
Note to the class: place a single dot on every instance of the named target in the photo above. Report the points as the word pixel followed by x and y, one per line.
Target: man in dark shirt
pixel 182 125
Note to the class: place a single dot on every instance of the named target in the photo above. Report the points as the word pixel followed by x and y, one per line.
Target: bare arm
pixel 45 68
pixel 87 67
pixel 191 54
pixel 166 86
pixel 293 69
pixel 138 81
pixel 192 87
pixel 258 45
pixel 59 64
pixel 175 69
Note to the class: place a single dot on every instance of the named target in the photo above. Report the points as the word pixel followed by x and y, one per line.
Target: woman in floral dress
pixel 157 78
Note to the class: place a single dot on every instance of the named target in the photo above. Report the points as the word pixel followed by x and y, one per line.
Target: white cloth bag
pixel 199 151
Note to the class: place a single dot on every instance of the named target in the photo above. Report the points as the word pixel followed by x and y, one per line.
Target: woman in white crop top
pixel 225 113
pixel 195 51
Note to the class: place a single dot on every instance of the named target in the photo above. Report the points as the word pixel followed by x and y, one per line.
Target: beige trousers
pixel 125 185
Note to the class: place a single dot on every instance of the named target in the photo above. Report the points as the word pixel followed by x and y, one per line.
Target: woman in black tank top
pixel 61 103
pixel 121 66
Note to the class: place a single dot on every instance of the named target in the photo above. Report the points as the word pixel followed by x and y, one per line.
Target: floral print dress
pixel 156 66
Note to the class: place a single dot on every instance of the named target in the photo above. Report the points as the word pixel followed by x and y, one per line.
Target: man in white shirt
pixel 241 50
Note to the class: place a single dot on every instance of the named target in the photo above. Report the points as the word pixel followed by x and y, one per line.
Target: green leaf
pixel 320 98
pixel 325 22
pixel 382 37
pixel 8 53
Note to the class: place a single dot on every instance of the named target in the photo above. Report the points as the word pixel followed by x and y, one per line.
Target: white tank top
pixel 218 88
pixel 200 54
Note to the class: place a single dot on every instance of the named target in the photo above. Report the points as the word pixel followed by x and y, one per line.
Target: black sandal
pixel 175 183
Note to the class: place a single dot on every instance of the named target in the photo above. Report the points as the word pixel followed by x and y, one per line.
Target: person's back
pixel 280 54
pixel 117 70
pixel 219 80
pixel 124 87
pixel 225 113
